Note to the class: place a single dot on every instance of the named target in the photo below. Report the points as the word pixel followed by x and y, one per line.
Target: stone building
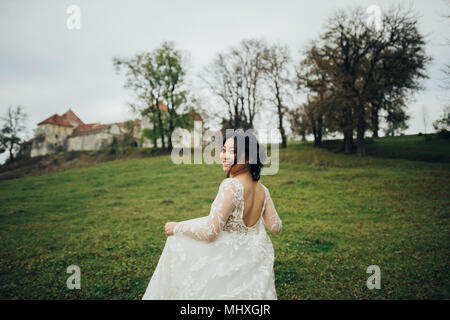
pixel 67 132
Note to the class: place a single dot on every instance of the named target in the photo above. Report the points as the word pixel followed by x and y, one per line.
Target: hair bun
pixel 250 142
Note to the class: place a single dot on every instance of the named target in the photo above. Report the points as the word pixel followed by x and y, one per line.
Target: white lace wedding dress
pixel 217 256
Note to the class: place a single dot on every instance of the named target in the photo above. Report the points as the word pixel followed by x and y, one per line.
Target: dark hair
pixel 253 152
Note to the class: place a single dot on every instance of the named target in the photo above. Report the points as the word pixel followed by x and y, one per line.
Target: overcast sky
pixel 48 68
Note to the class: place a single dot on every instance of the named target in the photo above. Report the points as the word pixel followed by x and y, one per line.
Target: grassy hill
pixel 340 214
pixel 74 159
pixel 427 147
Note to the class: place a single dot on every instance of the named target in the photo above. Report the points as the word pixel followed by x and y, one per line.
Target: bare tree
pixel 366 65
pixel 235 78
pixel 276 70
pixel 13 127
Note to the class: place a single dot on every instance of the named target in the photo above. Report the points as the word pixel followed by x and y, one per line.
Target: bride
pixel 227 254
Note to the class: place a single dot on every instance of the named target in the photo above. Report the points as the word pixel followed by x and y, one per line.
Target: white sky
pixel 48 68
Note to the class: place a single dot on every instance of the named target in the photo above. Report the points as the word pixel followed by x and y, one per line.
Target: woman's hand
pixel 169 228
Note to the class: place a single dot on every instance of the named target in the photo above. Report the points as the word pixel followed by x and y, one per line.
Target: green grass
pixel 340 214
pixel 411 147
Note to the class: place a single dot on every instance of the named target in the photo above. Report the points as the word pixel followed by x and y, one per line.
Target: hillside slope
pixel 69 160
pixel 340 214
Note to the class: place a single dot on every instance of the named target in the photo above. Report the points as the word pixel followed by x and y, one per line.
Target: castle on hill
pixel 67 132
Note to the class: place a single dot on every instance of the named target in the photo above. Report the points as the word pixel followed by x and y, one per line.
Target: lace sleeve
pixel 209 228
pixel 270 216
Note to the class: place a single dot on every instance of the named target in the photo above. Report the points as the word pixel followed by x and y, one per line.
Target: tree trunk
pixel 281 128
pixel 237 120
pixel 360 146
pixel 319 131
pixel 280 117
pixel 283 138
pixel 11 155
pixel 375 121
pixel 361 127
pixel 303 136
pixel 348 131
pixel 314 130
pixel 171 129
pixel 161 129
pixel 348 141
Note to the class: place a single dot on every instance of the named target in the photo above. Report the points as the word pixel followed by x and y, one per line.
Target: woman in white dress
pixel 227 254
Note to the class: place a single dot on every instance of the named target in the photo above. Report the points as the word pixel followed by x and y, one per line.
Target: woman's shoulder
pixel 236 183
pixel 230 182
pixel 266 190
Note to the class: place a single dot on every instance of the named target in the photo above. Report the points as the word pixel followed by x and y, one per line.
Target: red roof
pixel 95 127
pixel 196 116
pixel 70 116
pixel 162 106
pixel 89 128
pixel 68 119
pixel 56 119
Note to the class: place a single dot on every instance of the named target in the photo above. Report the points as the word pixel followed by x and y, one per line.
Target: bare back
pixel 254 195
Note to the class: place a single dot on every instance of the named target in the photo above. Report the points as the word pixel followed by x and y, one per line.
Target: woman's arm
pixel 270 216
pixel 208 229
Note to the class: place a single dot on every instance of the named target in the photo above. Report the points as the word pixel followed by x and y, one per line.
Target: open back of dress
pixel 218 256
